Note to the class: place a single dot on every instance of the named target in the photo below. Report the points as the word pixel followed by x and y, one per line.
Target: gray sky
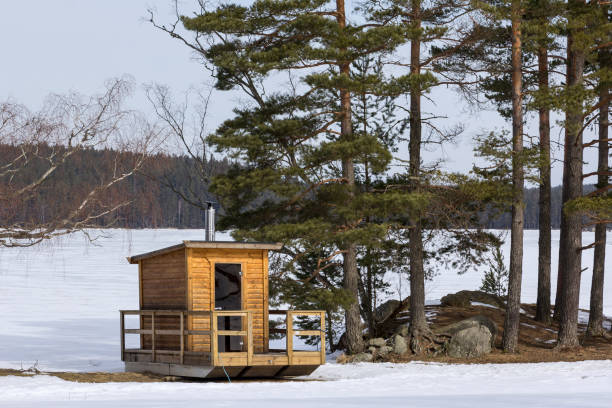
pixel 63 45
pixel 60 45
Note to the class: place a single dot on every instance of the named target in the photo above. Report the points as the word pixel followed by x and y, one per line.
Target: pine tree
pixel 506 21
pixel 297 151
pixel 586 25
pixel 375 115
pixel 603 65
pixel 431 25
pixel 512 321
pixel 540 35
pixel 321 292
pixel 491 54
pixel 595 324
pixel 495 280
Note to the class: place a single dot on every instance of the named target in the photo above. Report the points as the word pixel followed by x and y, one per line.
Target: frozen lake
pixel 59 301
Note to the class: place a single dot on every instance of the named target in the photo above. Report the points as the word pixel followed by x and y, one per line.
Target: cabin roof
pixel 206 244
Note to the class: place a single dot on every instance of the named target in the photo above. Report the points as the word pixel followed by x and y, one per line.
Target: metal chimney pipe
pixel 210 222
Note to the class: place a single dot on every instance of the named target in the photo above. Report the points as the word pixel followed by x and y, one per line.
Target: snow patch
pixel 485 305
pixel 416 384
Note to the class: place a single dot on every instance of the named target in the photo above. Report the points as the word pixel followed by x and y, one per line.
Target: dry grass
pixel 88 377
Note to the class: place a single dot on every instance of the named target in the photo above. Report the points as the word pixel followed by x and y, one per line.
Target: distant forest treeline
pixel 532 196
pixel 156 205
pixel 152 203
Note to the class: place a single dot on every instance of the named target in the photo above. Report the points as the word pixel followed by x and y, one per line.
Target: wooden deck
pixel 213 364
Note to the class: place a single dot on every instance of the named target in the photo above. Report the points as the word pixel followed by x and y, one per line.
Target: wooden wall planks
pixel 163 286
pixel 184 280
pixel 201 281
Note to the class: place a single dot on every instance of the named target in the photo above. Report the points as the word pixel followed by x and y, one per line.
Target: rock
pixel 386 309
pixel 484 297
pixel 403 330
pixel 490 324
pixel 343 359
pixel 474 321
pixel 457 300
pixel 471 337
pixel 399 344
pixel 362 358
pixel 377 342
pixel 384 350
pixel 470 342
pixel 464 298
pixel 372 349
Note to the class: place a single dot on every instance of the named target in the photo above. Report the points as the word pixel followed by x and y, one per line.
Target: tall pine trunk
pixel 354 338
pixel 572 177
pixel 418 322
pixel 512 320
pixel 544 241
pixel 595 326
pixel 562 263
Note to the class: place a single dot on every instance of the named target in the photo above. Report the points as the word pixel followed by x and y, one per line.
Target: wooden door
pixel 228 296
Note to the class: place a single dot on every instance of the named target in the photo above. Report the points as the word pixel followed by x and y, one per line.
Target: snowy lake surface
pixel 59 307
pixel 59 301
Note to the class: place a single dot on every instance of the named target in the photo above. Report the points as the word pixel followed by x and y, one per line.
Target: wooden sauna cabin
pixel 204 313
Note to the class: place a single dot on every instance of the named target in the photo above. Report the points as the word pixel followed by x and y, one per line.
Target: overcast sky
pixel 63 45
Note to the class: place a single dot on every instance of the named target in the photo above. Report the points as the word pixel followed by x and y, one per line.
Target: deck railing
pixel 248 333
pixel 290 331
pixel 216 358
pixel 182 332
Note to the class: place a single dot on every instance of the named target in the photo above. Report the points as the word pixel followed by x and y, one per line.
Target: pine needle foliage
pixel 298 157
pixel 495 280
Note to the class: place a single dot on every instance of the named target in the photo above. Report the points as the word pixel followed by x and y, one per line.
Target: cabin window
pixel 228 296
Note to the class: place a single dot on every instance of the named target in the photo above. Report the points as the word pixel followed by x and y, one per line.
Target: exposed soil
pixel 537 341
pixel 133 377
pixel 88 377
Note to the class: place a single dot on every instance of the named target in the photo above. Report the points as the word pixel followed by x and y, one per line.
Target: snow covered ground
pixel 581 384
pixel 59 300
pixel 58 308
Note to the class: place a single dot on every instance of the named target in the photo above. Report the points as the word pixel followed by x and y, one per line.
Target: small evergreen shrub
pixel 495 280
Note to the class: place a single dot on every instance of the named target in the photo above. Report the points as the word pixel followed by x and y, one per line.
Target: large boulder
pixel 474 321
pixel 400 346
pixel 469 343
pixel 377 342
pixel 362 358
pixel 486 298
pixel 386 309
pixel 456 299
pixel 471 337
pixel 464 298
pixel 384 350
pixel 403 330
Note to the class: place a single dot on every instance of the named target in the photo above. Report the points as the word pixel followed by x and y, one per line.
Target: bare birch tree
pixel 47 140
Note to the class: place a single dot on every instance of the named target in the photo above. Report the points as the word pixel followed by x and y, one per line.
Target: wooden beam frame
pixel 122 322
pixel 266 300
pixel 289 337
pixel 206 245
pixel 182 339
